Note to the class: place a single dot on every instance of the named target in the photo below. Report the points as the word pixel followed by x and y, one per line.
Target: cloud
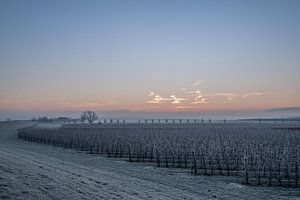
pixel 223 94
pixel 158 99
pixel 199 94
pixel 194 96
pixel 227 100
pixel 199 99
pixel 151 94
pixel 177 100
pixel 194 92
pixel 197 82
pixel 245 96
pixel 183 107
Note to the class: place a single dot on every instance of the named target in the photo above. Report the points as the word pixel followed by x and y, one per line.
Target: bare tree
pixel 90 116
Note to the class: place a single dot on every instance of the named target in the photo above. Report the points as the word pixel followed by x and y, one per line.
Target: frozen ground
pixel 37 171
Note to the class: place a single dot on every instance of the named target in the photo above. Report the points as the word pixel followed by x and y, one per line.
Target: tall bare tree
pixel 90 116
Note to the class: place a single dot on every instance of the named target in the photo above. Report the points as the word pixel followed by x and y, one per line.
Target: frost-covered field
pixel 265 154
pixel 36 171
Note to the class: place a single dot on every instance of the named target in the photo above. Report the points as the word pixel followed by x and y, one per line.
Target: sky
pixel 152 56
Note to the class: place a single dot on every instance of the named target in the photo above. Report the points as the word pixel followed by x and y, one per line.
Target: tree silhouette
pixel 90 116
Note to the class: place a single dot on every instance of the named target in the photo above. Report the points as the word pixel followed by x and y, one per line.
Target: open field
pixel 37 171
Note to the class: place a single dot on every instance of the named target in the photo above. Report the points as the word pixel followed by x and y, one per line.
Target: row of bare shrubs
pixel 261 154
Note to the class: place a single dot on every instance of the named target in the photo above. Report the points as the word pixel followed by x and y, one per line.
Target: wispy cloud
pixel 151 94
pixel 190 97
pixel 158 99
pixel 199 99
pixel 223 94
pixel 252 94
pixel 183 89
pixel 193 92
pixel 183 107
pixel 177 100
pixel 197 82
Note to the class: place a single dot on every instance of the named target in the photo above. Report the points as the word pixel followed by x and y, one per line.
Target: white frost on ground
pixel 36 171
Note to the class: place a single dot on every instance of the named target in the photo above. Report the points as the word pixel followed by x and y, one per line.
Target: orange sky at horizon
pixel 186 100
pixel 154 56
